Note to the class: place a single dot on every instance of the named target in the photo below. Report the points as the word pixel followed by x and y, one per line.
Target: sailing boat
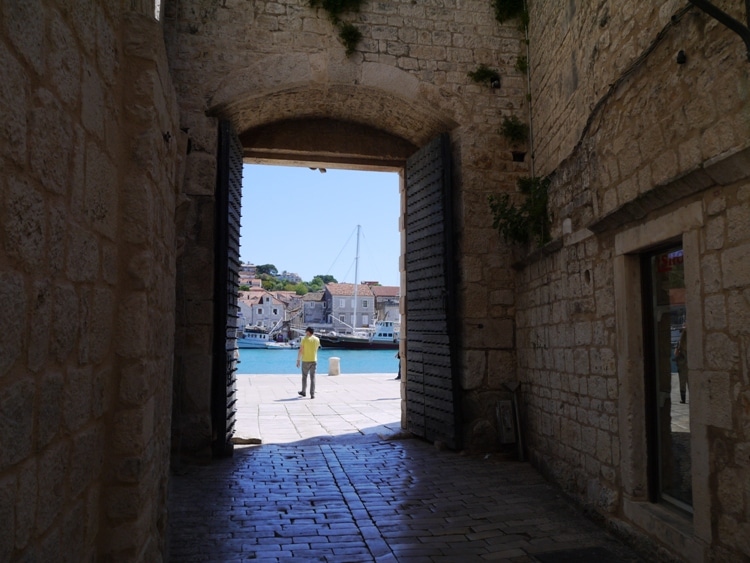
pixel 384 335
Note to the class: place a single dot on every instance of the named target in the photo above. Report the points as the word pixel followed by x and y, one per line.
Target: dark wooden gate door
pixel 226 287
pixel 432 380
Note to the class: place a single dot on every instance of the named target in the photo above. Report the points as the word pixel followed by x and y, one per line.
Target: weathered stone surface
pixel 65 321
pixel 7 513
pixel 50 408
pixel 132 326
pixel 474 370
pixel 51 497
pixel 16 421
pixel 77 397
pixel 25 227
pixel 50 155
pixel 13 93
pixel 26 503
pixel 14 306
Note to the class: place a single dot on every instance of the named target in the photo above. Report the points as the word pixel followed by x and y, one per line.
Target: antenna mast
pixel 356 280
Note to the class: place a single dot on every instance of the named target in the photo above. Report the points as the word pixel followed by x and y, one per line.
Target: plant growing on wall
pixel 485 74
pixel 527 222
pixel 514 130
pixel 522 64
pixel 348 33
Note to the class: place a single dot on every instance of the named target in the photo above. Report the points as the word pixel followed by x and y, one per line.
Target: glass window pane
pixel 671 393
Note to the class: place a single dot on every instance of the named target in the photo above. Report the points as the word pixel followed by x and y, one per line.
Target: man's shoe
pixel 301 393
pixel 312 396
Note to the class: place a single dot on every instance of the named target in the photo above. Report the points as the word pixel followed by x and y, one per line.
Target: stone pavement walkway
pixel 335 480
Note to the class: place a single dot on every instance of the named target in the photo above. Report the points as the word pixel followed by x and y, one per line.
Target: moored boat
pixel 384 336
pixel 291 345
pixel 253 337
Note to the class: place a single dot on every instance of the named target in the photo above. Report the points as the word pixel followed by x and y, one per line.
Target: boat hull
pixel 357 344
pixel 280 346
pixel 254 344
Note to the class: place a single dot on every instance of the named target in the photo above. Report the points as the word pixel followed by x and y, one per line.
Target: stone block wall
pixel 89 158
pixel 641 150
pixel 260 63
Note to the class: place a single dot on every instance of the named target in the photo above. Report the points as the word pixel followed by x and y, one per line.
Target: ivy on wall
pixel 514 130
pixel 349 34
pixel 485 74
pixel 527 222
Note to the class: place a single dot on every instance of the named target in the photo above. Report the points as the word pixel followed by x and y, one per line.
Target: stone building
pixel 314 309
pixel 387 299
pixel 260 308
pixel 344 301
pixel 121 125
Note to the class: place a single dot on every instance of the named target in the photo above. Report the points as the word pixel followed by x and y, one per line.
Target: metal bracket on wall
pixel 722 17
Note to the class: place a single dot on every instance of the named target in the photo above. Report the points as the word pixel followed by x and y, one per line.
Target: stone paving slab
pixel 271 410
pixel 356 497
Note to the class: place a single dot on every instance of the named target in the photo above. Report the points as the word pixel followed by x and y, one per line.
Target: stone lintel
pixel 722 170
pixel 325 142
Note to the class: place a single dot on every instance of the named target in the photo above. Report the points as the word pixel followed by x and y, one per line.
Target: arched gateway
pixel 288 94
pixel 431 394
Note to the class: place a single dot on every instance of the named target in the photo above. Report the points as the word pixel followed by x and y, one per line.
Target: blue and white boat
pixel 253 337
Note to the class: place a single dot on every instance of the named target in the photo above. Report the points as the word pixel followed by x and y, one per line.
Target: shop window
pixel 666 382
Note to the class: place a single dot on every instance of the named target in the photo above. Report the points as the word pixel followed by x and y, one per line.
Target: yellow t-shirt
pixel 309 347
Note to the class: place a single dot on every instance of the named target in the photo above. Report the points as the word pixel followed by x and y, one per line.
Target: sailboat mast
pixel 356 280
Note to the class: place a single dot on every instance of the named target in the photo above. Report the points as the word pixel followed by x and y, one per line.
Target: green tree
pixel 271 284
pixel 266 269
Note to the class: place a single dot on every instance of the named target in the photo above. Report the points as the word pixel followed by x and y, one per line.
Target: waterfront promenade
pixel 336 480
pixel 358 405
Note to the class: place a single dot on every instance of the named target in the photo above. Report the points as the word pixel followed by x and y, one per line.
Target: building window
pixel 365 320
pixel 342 318
pixel 260 311
pixel 665 365
pixel 275 311
pixel 364 303
pixel 342 303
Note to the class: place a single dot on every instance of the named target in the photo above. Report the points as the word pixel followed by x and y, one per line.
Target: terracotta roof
pixel 386 290
pixel 313 296
pixel 254 295
pixel 347 289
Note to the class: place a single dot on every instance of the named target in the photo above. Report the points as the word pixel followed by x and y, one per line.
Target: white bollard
pixel 334 367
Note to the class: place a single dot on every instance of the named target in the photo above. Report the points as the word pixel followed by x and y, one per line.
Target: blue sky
pixel 303 221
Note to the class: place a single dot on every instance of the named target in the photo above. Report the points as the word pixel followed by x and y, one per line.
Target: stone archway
pixel 321 139
pixel 295 97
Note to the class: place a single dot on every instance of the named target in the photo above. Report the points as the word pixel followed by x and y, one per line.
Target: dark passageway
pixel 366 496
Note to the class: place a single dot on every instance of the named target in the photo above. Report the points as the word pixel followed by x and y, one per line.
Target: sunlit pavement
pixel 271 409
pixel 336 480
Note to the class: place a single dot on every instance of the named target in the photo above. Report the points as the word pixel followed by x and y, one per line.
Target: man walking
pixel 308 355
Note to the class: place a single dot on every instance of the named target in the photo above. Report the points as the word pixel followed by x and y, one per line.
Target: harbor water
pixel 259 360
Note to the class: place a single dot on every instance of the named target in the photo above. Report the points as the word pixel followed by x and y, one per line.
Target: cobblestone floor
pixel 360 497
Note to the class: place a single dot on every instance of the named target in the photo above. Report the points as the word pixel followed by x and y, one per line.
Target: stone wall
pixel 641 150
pixel 89 160
pixel 266 63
